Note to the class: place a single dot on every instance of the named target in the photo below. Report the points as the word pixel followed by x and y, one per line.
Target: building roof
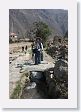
pixel 13 34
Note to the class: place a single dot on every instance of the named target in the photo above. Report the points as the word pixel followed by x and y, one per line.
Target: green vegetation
pixel 41 30
pixel 19 87
pixel 17 91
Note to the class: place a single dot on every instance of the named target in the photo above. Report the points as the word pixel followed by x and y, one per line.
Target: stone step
pixel 40 67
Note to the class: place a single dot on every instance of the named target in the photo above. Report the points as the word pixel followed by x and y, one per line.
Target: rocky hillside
pixel 23 19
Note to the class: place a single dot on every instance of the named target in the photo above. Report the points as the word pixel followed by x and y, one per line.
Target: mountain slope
pixel 23 20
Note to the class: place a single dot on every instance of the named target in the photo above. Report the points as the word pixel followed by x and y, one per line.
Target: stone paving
pixel 46 64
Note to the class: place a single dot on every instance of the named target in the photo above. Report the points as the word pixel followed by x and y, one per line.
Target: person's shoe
pixel 35 64
pixel 39 63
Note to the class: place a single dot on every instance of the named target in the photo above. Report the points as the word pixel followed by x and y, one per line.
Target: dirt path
pixel 24 61
pixel 15 65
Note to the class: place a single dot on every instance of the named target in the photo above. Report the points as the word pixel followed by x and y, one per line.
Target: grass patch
pixel 19 87
pixel 17 91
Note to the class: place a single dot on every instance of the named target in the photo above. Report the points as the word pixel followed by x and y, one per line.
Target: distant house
pixel 13 37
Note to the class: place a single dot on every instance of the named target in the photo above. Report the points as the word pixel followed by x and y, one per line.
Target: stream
pixel 36 88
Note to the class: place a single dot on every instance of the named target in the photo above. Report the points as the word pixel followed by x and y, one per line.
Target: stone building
pixel 13 37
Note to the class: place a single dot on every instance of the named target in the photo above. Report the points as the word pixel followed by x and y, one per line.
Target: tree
pixel 41 30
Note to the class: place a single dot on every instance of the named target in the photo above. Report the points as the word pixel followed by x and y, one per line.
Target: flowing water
pixel 36 88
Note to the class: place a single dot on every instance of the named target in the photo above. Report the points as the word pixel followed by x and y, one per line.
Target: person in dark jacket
pixel 22 48
pixel 26 48
pixel 33 51
pixel 37 51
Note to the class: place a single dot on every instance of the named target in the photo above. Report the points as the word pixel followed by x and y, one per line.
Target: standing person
pixel 41 46
pixel 26 48
pixel 22 48
pixel 33 51
pixel 37 52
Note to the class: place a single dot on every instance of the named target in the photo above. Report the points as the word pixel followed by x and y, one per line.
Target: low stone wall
pixel 57 80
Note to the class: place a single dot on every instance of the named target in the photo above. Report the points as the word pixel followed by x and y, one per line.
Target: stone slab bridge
pixel 45 65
